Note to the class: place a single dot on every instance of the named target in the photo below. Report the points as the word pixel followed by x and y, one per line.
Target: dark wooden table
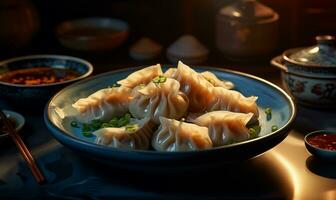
pixel 287 171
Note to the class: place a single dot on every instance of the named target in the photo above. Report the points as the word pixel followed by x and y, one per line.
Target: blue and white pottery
pixel 309 74
pixel 38 95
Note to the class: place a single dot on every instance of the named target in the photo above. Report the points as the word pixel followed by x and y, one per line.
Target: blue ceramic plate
pixel 57 118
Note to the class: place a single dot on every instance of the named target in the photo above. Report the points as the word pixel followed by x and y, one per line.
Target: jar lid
pixel 322 54
pixel 248 11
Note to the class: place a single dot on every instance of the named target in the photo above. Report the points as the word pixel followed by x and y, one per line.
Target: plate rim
pixel 51 125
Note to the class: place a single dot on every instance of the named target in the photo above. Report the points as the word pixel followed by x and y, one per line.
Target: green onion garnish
pixel 268 111
pixel 96 124
pixel 74 124
pixel 131 127
pixel 142 85
pixel 231 141
pixel 105 125
pixel 87 134
pixel 86 127
pixel 252 132
pixel 274 128
pixel 159 79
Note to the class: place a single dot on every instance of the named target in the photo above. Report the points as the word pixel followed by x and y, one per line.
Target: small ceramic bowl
pixel 92 34
pixel 309 74
pixel 15 117
pixel 321 153
pixel 29 96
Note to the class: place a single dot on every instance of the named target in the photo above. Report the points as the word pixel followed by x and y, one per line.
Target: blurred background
pixel 28 26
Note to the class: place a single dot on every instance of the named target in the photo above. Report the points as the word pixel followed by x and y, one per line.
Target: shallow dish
pixel 38 95
pixel 92 34
pixel 15 117
pixel 321 153
pixel 283 114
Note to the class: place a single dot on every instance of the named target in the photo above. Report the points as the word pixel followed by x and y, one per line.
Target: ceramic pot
pixel 309 74
pixel 246 29
pixel 19 22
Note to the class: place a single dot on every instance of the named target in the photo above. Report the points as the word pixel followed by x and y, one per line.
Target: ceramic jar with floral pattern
pixel 309 74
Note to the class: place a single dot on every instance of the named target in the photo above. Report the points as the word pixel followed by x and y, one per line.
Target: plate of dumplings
pixel 170 117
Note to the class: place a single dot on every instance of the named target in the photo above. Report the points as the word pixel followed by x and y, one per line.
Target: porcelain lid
pixel 322 54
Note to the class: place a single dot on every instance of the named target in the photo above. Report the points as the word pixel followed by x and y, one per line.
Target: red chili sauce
pixel 323 141
pixel 38 75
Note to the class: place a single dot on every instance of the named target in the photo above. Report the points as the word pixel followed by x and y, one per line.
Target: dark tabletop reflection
pixel 247 180
pixel 321 167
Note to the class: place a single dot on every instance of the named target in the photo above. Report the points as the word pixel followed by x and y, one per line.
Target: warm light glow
pixel 291 170
pixel 330 195
pixel 303 59
pixel 235 13
pixel 295 141
pixel 314 50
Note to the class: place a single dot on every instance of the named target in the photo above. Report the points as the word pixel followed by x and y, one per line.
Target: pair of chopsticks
pixel 22 148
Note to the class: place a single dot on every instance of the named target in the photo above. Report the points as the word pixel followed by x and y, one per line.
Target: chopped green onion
pixel 105 125
pixel 131 127
pixel 86 127
pixel 141 85
pixel 87 134
pixel 96 124
pixel 268 112
pixel 274 128
pixel 159 79
pixel 252 132
pixel 74 124
pixel 231 141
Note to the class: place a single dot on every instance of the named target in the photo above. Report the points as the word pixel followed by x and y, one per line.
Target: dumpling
pixel 161 97
pixel 103 104
pixel 225 127
pixel 173 135
pixel 212 78
pixel 137 135
pixel 170 72
pixel 142 76
pixel 195 86
pixel 230 100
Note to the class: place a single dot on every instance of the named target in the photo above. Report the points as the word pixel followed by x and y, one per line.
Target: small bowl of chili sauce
pixel 322 144
pixel 30 81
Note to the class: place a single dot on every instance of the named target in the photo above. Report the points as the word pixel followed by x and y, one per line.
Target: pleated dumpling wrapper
pixel 173 136
pixel 231 100
pixel 161 97
pixel 136 135
pixel 195 86
pixel 103 104
pixel 212 78
pixel 142 76
pixel 225 127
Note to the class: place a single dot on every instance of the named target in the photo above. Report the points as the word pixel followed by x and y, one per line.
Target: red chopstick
pixel 23 149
